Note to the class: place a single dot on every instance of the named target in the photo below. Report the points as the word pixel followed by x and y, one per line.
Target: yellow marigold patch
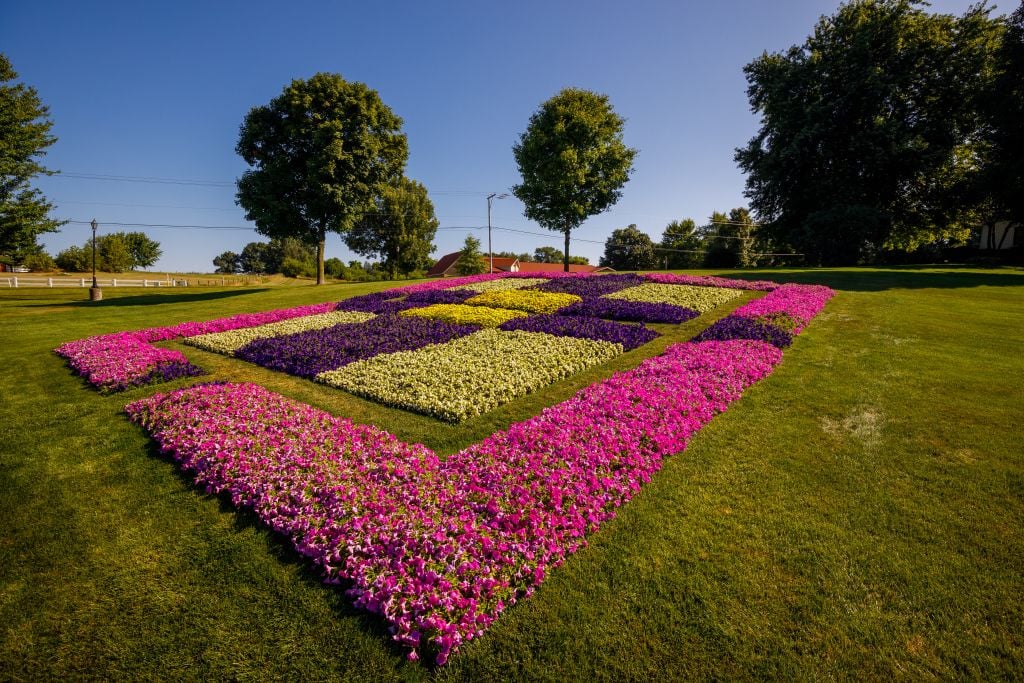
pixel 461 314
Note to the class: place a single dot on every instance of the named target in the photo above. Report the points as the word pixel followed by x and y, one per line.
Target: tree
pixel 512 255
pixel 876 113
pixel 254 258
pixel 145 252
pixel 471 261
pixel 548 255
pixel 572 161
pixel 400 230
pixel 115 254
pixel 681 245
pixel 75 259
pixel 730 241
pixel 321 153
pixel 24 137
pixel 334 267
pixel 629 249
pixel 227 263
pixel 1004 175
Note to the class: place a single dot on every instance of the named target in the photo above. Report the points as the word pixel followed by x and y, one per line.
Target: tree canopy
pixel 400 229
pixel 875 116
pixel 116 252
pixel 572 160
pixel 552 255
pixel 471 261
pixel 629 249
pixel 321 153
pixel 24 137
pixel 681 245
pixel 1005 172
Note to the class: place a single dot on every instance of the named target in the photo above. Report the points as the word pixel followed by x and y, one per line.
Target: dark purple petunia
pixel 630 336
pixel 381 303
pixel 591 285
pixel 636 311
pixel 440 296
pixel 738 327
pixel 309 353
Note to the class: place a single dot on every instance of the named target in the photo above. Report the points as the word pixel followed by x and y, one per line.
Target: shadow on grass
pixel 148 299
pixel 280 547
pixel 869 279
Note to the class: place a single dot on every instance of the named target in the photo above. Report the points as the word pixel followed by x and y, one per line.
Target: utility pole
pixel 490 252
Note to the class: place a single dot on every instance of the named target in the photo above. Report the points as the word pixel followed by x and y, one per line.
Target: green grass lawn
pixel 857 514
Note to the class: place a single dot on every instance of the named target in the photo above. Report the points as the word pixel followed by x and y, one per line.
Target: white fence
pixel 87 282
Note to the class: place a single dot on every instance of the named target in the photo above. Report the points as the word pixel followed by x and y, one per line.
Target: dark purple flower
pixel 309 353
pixel 381 303
pixel 591 285
pixel 738 327
pixel 581 327
pixel 637 311
pixel 440 296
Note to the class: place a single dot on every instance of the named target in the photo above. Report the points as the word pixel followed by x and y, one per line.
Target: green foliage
pixel 227 263
pixel 400 229
pixel 321 152
pixel 255 258
pixel 629 249
pixel 40 262
pixel 24 137
pixel 334 267
pixel 471 261
pixel 572 160
pixel 512 255
pixel 730 240
pixel 681 245
pixel 145 252
pixel 293 267
pixel 75 259
pixel 552 255
pixel 268 257
pixel 879 110
pixel 1005 112
pixel 115 254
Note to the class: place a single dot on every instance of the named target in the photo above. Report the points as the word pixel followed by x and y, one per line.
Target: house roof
pixel 445 266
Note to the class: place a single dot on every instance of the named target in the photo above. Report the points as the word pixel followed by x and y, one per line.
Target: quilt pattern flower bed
pixel 441 547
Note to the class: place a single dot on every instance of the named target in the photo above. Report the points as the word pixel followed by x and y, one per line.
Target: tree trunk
pixel 320 256
pixel 565 259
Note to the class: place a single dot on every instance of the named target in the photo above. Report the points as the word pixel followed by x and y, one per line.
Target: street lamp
pixel 94 294
pixel 490 252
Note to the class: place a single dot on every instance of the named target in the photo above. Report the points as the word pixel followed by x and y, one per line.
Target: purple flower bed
pixel 581 327
pixel 234 322
pixel 738 327
pixel 440 549
pixel 634 311
pixel 591 285
pixel 307 354
pixel 440 296
pixel 381 303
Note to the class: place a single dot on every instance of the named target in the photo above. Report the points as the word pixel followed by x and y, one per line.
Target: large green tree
pixel 875 116
pixel 629 249
pixel 572 160
pixel 1004 178
pixel 24 137
pixel 729 241
pixel 471 261
pixel 400 229
pixel 681 245
pixel 321 153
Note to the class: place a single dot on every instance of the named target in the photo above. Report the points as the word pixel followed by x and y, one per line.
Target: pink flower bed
pixel 711 281
pixel 800 302
pixel 234 322
pixel 115 362
pixel 441 548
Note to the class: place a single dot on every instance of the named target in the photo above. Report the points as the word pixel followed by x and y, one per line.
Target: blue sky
pixel 158 90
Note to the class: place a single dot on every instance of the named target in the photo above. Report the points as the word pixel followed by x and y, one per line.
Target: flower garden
pixel 440 547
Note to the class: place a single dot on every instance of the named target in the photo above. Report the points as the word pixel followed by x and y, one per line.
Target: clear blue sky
pixel 158 90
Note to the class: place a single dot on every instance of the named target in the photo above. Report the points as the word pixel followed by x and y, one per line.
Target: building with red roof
pixel 446 266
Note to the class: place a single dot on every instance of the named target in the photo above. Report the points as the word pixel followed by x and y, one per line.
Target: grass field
pixel 857 514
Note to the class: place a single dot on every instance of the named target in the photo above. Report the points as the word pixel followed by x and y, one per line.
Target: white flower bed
pixel 701 299
pixel 232 340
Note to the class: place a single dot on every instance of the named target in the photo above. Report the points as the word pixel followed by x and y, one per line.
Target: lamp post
pixel 95 294
pixel 490 252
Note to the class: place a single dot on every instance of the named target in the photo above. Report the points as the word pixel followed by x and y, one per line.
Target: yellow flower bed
pixel 230 341
pixel 461 314
pixel 701 299
pixel 529 300
pixel 471 375
pixel 502 284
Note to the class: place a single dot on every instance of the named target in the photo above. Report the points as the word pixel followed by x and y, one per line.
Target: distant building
pixel 445 266
pixel 1001 235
